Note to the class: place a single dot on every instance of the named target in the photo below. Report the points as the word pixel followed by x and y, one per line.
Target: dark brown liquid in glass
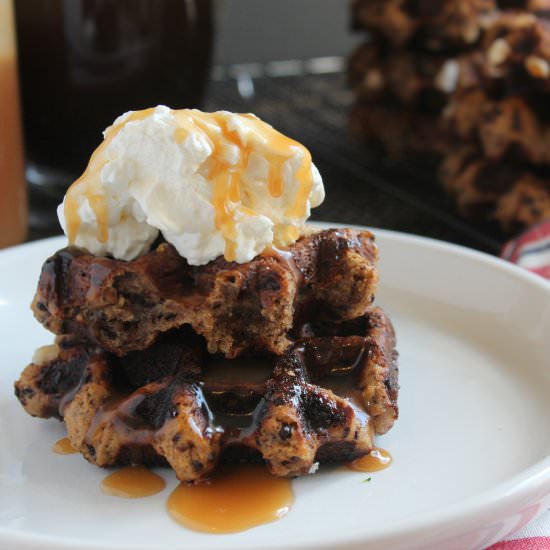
pixel 84 62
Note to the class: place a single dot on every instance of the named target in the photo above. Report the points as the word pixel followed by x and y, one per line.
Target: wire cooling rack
pixel 309 101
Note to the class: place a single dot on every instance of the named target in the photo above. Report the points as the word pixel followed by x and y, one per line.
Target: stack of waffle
pixel 468 81
pixel 500 168
pixel 283 359
pixel 405 72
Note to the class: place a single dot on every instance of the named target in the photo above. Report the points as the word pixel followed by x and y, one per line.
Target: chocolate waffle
pixel 422 80
pixel 516 52
pixel 172 403
pixel 513 194
pixel 124 306
pixel 512 127
pixel 430 24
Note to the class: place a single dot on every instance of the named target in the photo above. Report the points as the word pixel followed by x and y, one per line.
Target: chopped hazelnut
pixel 374 80
pixel 537 67
pixel 498 52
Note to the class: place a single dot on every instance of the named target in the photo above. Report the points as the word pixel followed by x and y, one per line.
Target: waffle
pixel 516 48
pixel 124 306
pixel 169 403
pixel 505 128
pixel 513 194
pixel 431 24
pixel 422 80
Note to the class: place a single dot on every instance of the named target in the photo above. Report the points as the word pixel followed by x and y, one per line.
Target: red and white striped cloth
pixel 531 250
pixel 534 536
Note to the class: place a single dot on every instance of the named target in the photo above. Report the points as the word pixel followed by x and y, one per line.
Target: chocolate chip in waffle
pixel 172 403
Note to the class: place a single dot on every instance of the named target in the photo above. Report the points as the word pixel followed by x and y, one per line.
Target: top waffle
pixel 124 306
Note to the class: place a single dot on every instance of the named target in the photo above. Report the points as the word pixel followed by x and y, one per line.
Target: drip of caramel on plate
pixel 376 460
pixel 133 482
pixel 237 498
pixel 63 447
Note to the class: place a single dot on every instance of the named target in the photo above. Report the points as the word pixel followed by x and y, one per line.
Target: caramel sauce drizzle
pixel 236 499
pixel 376 460
pixel 117 410
pixel 226 177
pixel 286 257
pixel 133 482
pixel 64 447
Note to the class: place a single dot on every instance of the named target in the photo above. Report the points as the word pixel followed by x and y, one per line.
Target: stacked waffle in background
pixel 468 82
pixel 405 72
pixel 500 168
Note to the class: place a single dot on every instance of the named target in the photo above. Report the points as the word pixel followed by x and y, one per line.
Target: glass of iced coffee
pixel 13 198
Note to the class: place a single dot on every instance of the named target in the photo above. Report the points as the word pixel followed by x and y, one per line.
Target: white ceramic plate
pixel 471 446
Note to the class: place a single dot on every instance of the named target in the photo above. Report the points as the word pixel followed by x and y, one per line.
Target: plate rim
pixel 431 242
pixel 532 482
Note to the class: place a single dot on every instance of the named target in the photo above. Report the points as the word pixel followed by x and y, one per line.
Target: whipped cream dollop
pixel 211 183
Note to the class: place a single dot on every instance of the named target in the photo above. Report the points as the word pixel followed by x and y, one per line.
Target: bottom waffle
pixel 322 401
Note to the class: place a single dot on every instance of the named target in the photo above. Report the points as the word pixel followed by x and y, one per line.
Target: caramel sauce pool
pixel 63 447
pixel 238 498
pixel 133 482
pixel 376 460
